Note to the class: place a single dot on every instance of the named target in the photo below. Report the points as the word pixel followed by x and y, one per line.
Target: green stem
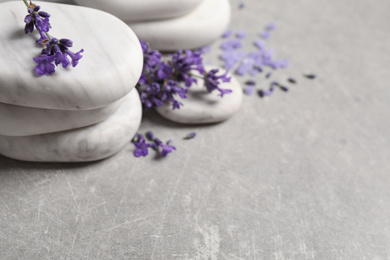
pixel 25 2
pixel 48 36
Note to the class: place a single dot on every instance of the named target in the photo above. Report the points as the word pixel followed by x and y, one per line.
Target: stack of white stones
pixel 170 25
pixel 84 113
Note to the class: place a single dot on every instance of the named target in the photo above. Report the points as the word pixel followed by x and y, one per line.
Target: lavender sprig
pixel 54 51
pixel 160 80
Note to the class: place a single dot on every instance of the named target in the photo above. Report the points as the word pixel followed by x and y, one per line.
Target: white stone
pixel 110 68
pixel 200 27
pixel 79 145
pixel 201 107
pixel 21 121
pixel 54 1
pixel 136 10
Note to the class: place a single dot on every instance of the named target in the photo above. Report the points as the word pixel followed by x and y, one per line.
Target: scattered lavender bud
pixel 249 89
pixel 227 34
pixel 231 44
pixel 250 83
pixel 265 34
pixel 205 49
pixel 263 93
pixel 260 44
pixel 141 147
pixel 284 88
pixel 149 135
pixel 283 63
pixel 241 34
pixel 270 27
pixel 190 136
pixel 291 80
pixel 310 76
pixel 268 75
pixel 242 5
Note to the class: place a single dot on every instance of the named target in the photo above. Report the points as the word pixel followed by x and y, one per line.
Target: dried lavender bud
pixel 291 80
pixel 310 76
pixel 190 136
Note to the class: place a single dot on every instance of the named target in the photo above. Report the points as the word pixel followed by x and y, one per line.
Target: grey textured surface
pixel 302 175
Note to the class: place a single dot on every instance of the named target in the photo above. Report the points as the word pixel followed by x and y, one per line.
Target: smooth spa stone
pixel 136 10
pixel 201 27
pixel 21 121
pixel 89 143
pixel 54 1
pixel 110 68
pixel 201 107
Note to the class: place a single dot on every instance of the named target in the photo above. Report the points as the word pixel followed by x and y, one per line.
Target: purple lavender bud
pixel 241 34
pixel 45 66
pixel 166 149
pixel 149 135
pixel 30 10
pixel 29 28
pixel 141 147
pixel 227 33
pixel 270 27
pixel 291 80
pixel 43 14
pixel 260 44
pixel 190 136
pixel 27 19
pixel 75 56
pixel 310 76
pixel 284 88
pixel 250 83
pixel 242 5
pixel 268 75
pixel 66 42
pixel 265 34
pixel 36 8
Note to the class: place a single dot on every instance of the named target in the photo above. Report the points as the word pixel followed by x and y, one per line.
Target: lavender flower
pixel 164 149
pixel 161 81
pixel 211 82
pixel 141 145
pixel 185 61
pixel 45 66
pixel 54 51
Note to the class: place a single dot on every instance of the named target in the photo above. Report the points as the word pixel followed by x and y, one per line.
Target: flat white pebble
pixel 136 10
pixel 21 121
pixel 202 26
pixel 110 68
pixel 202 107
pixel 79 145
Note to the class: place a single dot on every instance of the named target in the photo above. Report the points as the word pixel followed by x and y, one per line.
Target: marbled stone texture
pixel 135 10
pixel 21 121
pixel 83 144
pixel 202 107
pixel 110 68
pixel 202 26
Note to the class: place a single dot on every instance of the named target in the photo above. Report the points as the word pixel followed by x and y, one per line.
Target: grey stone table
pixel 300 175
